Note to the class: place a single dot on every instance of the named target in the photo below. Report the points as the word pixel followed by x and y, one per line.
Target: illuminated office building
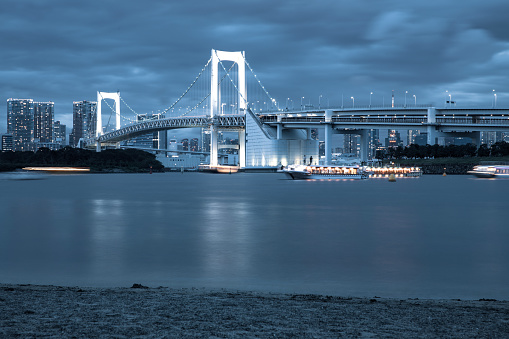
pixel 20 123
pixel 83 121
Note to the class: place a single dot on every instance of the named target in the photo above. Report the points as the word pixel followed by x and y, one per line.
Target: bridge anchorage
pixel 269 137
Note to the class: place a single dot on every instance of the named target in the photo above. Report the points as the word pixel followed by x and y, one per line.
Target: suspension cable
pixel 128 106
pixel 259 82
pixel 190 86
pixel 208 95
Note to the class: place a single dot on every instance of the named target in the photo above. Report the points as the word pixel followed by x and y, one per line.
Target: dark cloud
pixel 152 50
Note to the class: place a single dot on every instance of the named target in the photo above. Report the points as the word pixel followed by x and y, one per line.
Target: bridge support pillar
pixel 431 135
pixel 98 146
pixel 328 144
pixel 328 136
pixel 431 129
pixel 213 145
pixel 242 149
pixel 162 140
pixel 364 145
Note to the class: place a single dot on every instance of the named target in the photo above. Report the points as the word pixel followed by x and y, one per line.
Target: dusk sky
pixel 65 51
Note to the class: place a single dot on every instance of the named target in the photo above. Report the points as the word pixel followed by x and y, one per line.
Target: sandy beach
pixel 138 311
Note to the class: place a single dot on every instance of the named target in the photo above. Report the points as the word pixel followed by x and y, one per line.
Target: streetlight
pixel 415 100
pixel 287 103
pixel 450 100
pixel 353 102
pixel 446 93
pixel 494 99
pixel 405 97
pixel 301 103
pixel 370 94
pixel 319 101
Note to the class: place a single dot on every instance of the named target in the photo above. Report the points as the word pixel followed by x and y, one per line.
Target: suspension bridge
pixel 217 100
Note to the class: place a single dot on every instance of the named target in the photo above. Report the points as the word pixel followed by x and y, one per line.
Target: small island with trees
pixel 110 160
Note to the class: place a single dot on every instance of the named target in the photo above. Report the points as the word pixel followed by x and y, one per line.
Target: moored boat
pixel 490 171
pixel 385 172
pixel 225 169
pixel 324 172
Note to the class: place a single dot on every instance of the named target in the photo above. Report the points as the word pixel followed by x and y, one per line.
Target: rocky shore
pixel 55 311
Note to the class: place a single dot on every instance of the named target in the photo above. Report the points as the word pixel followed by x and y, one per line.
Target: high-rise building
pixel 185 144
pixel 7 142
pixel 421 139
pixel 393 139
pixel 351 144
pixel 373 142
pixel 205 140
pixel 43 121
pixel 20 123
pixel 412 133
pixel 83 121
pixel 59 133
pixel 194 145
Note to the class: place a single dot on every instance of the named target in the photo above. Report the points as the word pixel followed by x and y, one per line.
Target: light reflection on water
pixel 428 237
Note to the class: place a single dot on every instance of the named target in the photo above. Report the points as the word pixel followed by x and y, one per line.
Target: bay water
pixel 428 237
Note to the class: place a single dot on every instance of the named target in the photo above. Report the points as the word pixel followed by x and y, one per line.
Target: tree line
pixel 414 151
pixel 128 160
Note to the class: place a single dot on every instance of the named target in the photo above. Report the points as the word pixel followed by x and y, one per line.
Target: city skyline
pixel 325 50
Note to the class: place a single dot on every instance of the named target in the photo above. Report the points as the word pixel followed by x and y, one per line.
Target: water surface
pixel 430 237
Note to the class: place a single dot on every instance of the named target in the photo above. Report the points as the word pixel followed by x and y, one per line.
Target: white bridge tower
pixel 100 97
pixel 215 100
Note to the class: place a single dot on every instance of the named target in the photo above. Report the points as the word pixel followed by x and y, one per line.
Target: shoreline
pixel 47 310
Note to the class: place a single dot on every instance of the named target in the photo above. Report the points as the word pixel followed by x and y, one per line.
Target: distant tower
pixel 43 121
pixel 20 123
pixel 59 133
pixel 83 121
pixel 194 145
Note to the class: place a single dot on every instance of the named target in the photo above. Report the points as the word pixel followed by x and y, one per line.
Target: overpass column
pixel 242 148
pixel 431 129
pixel 328 136
pixel 364 145
pixel 162 140
pixel 279 128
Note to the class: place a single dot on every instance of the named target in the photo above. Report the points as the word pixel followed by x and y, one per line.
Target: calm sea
pixel 428 237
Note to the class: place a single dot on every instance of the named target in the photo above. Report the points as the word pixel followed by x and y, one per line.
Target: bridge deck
pixel 463 119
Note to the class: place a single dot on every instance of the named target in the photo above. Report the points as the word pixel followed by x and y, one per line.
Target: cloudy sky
pixel 64 51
